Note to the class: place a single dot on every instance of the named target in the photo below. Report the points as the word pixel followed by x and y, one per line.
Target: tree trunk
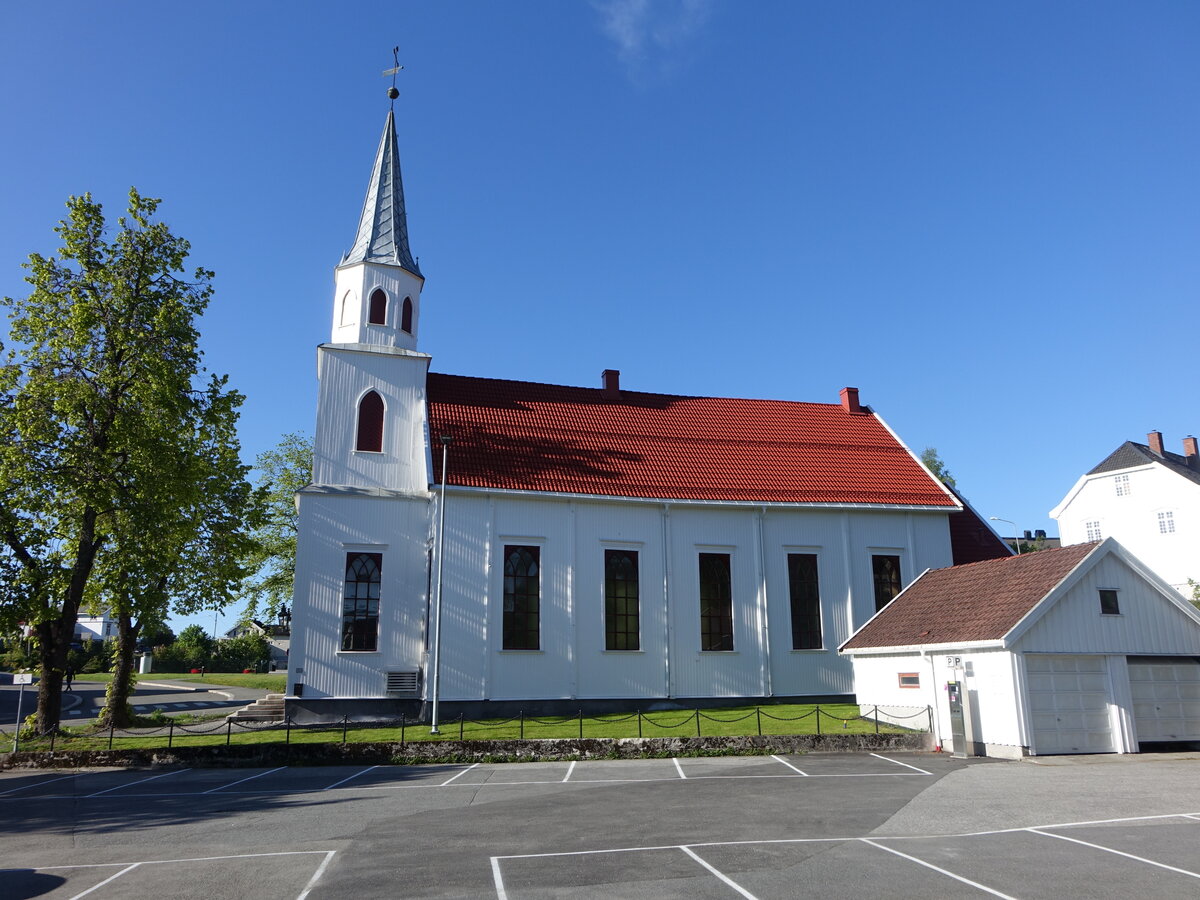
pixel 52 657
pixel 116 710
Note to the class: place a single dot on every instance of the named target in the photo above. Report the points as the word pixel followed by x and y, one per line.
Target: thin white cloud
pixel 651 35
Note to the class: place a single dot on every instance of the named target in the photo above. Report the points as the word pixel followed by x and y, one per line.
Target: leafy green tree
pixel 933 462
pixel 1195 586
pixel 282 471
pixel 97 395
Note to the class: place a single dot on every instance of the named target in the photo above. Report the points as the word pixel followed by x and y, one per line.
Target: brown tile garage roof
pixel 977 602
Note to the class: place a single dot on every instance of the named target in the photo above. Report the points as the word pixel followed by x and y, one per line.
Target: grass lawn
pixel 733 721
pixel 276 682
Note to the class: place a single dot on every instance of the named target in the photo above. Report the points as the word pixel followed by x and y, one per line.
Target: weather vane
pixel 392 92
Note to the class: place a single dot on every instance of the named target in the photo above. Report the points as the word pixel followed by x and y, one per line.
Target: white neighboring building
pixel 97 628
pixel 601 545
pixel 1146 497
pixel 1077 650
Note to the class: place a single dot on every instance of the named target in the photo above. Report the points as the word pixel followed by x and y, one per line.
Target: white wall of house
pixel 1137 506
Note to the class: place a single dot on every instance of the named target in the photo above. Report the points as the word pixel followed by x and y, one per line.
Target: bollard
pixel 170 733
pixel 402 721
pixel 639 712
pixel 818 718
pixel 228 731
pixel 697 723
pixel 521 716
pixel 877 719
pixel 758 717
pixel 110 733
pixel 460 727
pixel 345 725
pixel 53 735
pixel 581 724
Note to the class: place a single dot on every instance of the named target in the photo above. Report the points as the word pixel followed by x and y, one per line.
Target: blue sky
pixel 984 216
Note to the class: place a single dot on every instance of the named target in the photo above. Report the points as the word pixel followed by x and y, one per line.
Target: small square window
pixel 1108 603
pixel 1093 531
pixel 1166 522
pixel 910 679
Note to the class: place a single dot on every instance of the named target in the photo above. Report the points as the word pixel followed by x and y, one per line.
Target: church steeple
pixel 383 227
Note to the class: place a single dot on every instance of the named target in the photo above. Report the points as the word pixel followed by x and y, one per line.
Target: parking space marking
pixel 946 872
pixel 348 778
pixel 501 894
pixel 132 783
pixel 110 878
pixel 1141 859
pixel 721 875
pixel 678 767
pixel 570 769
pixel 26 787
pixel 243 780
pixel 788 764
pixel 317 875
pixel 897 762
pixel 1186 816
pixel 463 772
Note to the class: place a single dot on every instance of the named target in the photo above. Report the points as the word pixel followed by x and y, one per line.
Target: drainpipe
pixel 937 720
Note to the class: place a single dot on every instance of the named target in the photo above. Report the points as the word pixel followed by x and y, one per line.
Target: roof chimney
pixel 1154 439
pixel 849 397
pixel 1191 452
pixel 611 379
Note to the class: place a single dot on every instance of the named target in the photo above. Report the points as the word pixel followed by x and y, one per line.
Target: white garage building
pixel 1077 650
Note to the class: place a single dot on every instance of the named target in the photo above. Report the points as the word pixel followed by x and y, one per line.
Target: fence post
pixel 758 718
pixel 697 723
pixel 818 718
pixel 877 718
pixel 639 712
pixel 460 726
pixel 403 719
pixel 53 735
pixel 345 725
pixel 521 716
pixel 228 731
pixel 110 733
pixel 581 723
pixel 170 733
pixel 287 724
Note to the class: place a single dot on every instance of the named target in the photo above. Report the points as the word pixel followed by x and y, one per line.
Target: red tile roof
pixel 542 437
pixel 977 602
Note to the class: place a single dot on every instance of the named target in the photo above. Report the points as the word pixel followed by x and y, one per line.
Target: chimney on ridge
pixel 611 379
pixel 849 397
pixel 1191 452
pixel 1154 439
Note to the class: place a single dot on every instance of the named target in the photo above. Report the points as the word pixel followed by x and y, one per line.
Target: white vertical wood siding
pixel 1148 625
pixel 360 280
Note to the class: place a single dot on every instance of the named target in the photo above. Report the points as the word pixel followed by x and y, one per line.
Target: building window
pixel 378 313
pixel 806 601
pixel 716 602
pixel 886 572
pixel 621 625
pixel 349 316
pixel 1108 603
pixel 370 423
pixel 1122 483
pixel 910 679
pixel 1093 531
pixel 406 316
pixel 360 604
pixel 522 598
pixel 1166 522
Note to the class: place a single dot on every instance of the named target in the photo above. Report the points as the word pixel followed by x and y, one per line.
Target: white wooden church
pixel 602 546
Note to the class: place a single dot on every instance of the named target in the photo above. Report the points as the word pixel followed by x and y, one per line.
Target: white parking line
pixel 26 787
pixel 570 769
pixel 725 878
pixel 678 767
pixel 897 762
pixel 788 764
pixel 946 872
pixel 501 894
pixel 1142 859
pixel 132 783
pixel 463 772
pixel 96 887
pixel 243 780
pixel 349 778
pixel 317 875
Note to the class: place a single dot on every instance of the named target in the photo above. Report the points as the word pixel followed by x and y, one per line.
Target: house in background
pixel 96 628
pixel 1082 649
pixel 601 545
pixel 1148 498
pixel 279 639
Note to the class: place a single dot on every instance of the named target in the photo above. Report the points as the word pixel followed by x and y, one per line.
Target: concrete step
pixel 268 709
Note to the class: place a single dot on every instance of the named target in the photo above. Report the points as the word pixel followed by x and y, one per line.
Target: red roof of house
pixel 542 437
pixel 977 602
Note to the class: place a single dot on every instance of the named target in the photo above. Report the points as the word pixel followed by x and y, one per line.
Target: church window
pixel 716 602
pixel 378 314
pixel 522 598
pixel 886 572
pixel 406 316
pixel 621 624
pixel 360 604
pixel 806 601
pixel 370 423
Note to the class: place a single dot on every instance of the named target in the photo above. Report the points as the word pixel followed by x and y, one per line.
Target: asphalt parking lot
pixel 840 825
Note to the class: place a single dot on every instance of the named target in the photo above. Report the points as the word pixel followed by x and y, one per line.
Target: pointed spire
pixel 383 228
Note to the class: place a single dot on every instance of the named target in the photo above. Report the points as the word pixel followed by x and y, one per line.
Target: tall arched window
pixel 348 315
pixel 406 316
pixel 378 314
pixel 370 423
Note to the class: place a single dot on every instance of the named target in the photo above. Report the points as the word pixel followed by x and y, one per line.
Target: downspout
pixel 937 719
pixel 666 535
pixel 763 621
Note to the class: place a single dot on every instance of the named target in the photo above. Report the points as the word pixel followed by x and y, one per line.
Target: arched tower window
pixel 378 314
pixel 370 423
pixel 406 316
pixel 348 316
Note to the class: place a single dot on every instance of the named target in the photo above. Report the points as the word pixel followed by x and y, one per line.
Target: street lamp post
pixel 437 605
pixel 1016 535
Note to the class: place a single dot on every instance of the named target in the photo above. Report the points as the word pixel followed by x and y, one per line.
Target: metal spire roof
pixel 383 228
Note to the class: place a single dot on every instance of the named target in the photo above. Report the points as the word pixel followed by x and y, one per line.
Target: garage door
pixel 1166 698
pixel 1068 704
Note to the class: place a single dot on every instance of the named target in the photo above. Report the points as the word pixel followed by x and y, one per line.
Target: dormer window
pixel 378 313
pixel 370 423
pixel 406 316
